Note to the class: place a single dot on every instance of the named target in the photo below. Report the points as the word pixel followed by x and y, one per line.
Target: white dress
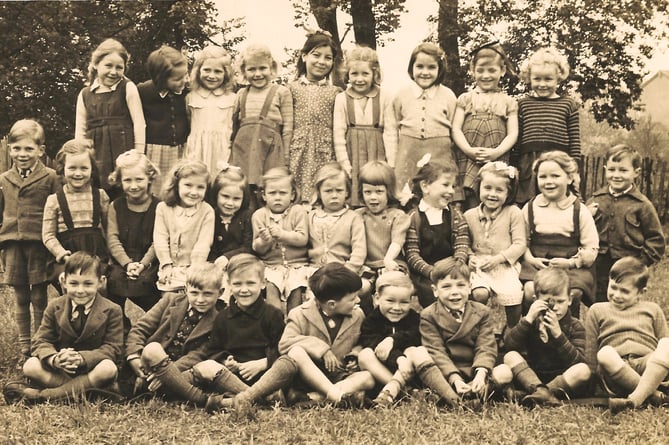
pixel 210 126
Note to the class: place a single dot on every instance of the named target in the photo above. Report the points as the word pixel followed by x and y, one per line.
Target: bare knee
pixel 103 373
pixel 33 368
pixel 608 358
pixel 502 375
pixel 153 354
pixel 513 358
pixel 418 355
pixel 579 373
pixel 366 357
pixel 298 354
pixel 481 295
pixel 207 370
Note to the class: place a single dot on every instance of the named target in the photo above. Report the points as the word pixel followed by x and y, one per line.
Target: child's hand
pixel 383 349
pixel 562 263
pixel 461 387
pixel 389 265
pixel 221 262
pixel 231 364
pixel 165 274
pixel 275 231
pixel 593 207
pixel 488 263
pixel 538 263
pixel 265 235
pixel 484 154
pixel 537 308
pixel 552 324
pixel 331 361
pixel 248 370
pixel 136 366
pixel 154 383
pixel 133 270
pixel 478 384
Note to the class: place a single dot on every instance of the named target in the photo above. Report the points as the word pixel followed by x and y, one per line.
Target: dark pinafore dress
pixel 135 232
pixel 87 239
pixel 554 245
pixel 109 126
pixel 257 145
pixel 364 143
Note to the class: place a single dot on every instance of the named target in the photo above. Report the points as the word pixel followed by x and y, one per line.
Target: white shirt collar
pixel 95 85
pixel 429 92
pixel 305 81
pixel 433 214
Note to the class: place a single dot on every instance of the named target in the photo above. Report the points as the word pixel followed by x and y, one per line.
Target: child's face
pixel 344 306
pixel 318 63
pixel 110 69
pixel 82 286
pixel 557 302
pixel 439 193
pixel 278 194
pixel 333 193
pixel 621 174
pixel 191 190
pixel 487 73
pixel 494 191
pixel 375 197
pixel 25 152
pixel 394 302
pixel 246 285
pixel 212 73
pixel 77 171
pixel 135 183
pixel 258 72
pixel 229 200
pixel 452 292
pixel 202 299
pixel 425 70
pixel 624 294
pixel 361 77
pixel 552 181
pixel 544 80
pixel 177 80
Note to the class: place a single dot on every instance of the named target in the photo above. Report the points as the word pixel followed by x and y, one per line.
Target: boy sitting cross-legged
pixel 627 339
pixel 172 336
pixel 79 342
pixel 390 338
pixel 546 347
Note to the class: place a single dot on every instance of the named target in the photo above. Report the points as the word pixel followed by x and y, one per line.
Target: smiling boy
pixel 627 339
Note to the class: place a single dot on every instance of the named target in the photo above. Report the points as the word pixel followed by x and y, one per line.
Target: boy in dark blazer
pixel 173 335
pixel 457 332
pixel 79 341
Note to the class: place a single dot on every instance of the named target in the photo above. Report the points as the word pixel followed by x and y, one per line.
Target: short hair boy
pixel 321 335
pixel 25 188
pixel 626 220
pixel 627 339
pixel 457 332
pixel 546 347
pixel 172 336
pixel 79 342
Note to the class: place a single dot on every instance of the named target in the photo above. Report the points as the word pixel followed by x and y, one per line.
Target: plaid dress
pixel 484 126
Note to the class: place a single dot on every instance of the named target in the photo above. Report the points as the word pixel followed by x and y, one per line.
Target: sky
pixel 271 22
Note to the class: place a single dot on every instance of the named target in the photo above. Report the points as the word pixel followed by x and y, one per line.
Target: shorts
pixel 287 279
pixel 24 263
pixel 637 363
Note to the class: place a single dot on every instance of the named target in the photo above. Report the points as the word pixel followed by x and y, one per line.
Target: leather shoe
pixel 540 397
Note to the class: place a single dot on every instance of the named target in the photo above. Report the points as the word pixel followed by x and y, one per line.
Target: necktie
pixel 457 315
pixel 25 172
pixel 79 318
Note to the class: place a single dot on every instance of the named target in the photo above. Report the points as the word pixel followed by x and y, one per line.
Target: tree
pixel 606 42
pixel 47 45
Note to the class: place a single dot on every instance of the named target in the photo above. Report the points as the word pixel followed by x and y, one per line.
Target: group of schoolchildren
pixel 310 246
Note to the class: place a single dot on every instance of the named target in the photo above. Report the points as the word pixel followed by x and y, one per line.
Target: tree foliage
pixel 47 45
pixel 606 41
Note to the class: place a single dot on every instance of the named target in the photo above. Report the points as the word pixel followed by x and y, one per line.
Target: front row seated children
pixel 79 342
pixel 390 338
pixel 458 333
pixel 627 341
pixel 626 220
pixel 546 347
pixel 172 336
pixel 280 237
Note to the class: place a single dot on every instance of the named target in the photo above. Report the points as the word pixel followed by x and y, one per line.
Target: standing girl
pixel 233 233
pixel 210 106
pixel 497 230
pixel 313 102
pixel 336 233
pixel 109 110
pixel 263 117
pixel 184 226
pixel 560 229
pixel 280 237
pixel 359 116
pixel 134 271
pixel 547 120
pixel 424 114
pixel 485 125
pixel 438 230
pixel 385 226
pixel 75 214
pixel 164 105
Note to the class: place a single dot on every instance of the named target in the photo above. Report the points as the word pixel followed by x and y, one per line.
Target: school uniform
pixel 459 347
pixel 101 336
pixel 162 324
pixel 233 238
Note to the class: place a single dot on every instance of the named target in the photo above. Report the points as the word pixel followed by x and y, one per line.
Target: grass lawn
pixel 415 422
